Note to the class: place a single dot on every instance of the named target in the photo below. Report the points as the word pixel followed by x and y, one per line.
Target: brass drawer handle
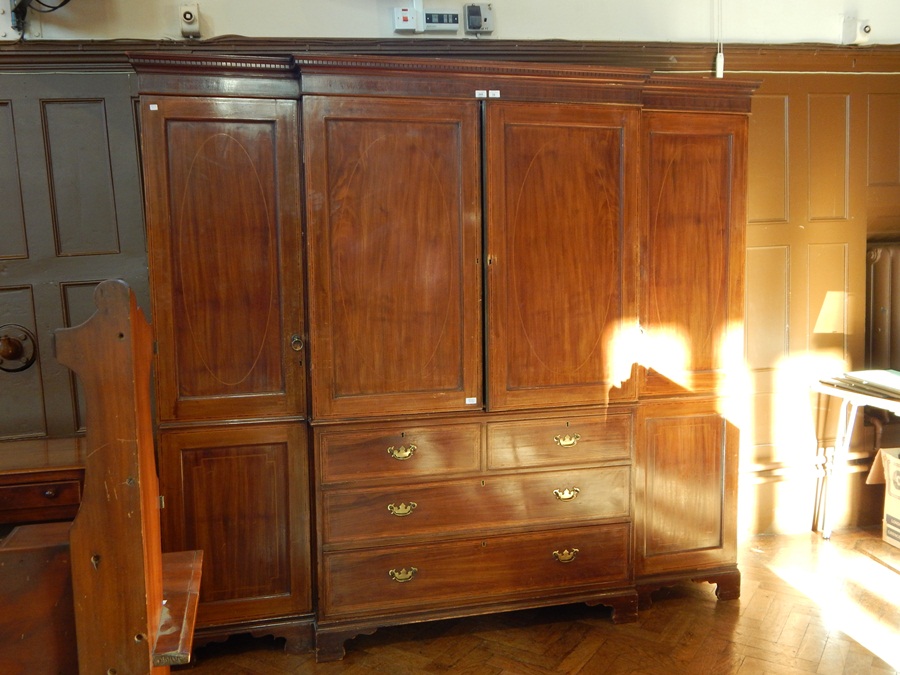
pixel 567 495
pixel 567 441
pixel 566 556
pixel 404 575
pixel 402 510
pixel 403 452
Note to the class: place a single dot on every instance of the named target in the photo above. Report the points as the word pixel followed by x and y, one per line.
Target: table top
pixel 857 398
pixel 41 454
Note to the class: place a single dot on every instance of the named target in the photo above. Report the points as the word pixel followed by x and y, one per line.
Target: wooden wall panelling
pixel 21 391
pixel 78 306
pixel 72 214
pixel 80 165
pixel 806 226
pixel 769 166
pixel 883 159
pixel 12 218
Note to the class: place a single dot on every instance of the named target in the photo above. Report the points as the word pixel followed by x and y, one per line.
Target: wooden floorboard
pixel 807 606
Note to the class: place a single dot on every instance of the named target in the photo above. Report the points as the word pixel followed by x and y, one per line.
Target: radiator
pixel 883 306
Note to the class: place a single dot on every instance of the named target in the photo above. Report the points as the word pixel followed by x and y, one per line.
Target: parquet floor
pixel 807 606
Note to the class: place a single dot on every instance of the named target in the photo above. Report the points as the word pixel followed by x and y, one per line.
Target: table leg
pixel 846 421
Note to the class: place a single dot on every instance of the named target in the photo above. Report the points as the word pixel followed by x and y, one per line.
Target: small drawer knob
pixel 50 493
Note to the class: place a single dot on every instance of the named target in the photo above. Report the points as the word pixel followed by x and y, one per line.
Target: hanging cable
pixel 47 8
pixel 720 45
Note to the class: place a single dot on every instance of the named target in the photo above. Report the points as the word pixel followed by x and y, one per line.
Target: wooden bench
pixel 100 586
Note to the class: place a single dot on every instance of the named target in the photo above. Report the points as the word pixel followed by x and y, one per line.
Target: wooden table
pixel 851 402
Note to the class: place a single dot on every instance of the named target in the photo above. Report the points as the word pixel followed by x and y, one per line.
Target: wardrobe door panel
pixel 561 186
pixel 240 495
pixel 224 229
pixel 692 255
pixel 394 249
pixel 686 487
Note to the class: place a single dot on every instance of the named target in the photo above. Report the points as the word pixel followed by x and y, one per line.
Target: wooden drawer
pixel 397 452
pixel 39 501
pixel 548 498
pixel 453 574
pixel 565 441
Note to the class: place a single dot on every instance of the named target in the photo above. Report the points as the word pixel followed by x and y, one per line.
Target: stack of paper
pixel 881 383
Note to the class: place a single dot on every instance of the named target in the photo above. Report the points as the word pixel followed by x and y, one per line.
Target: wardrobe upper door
pixel 224 227
pixel 562 205
pixel 394 245
pixel 692 252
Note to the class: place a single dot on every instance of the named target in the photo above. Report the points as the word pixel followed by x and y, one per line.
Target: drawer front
pixel 398 452
pixel 559 442
pixel 39 501
pixel 548 498
pixel 450 574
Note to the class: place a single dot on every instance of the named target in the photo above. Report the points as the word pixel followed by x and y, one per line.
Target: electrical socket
pixel 479 18
pixel 406 20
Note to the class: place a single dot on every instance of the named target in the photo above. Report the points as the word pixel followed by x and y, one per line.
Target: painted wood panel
pixel 12 218
pixel 78 306
pixel 70 214
pixel 82 186
pixel 769 166
pixel 21 391
pixel 768 305
pixel 883 161
pixel 792 266
pixel 828 287
pixel 828 163
pixel 884 139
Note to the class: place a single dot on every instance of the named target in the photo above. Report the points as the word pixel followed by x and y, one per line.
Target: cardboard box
pixel 886 469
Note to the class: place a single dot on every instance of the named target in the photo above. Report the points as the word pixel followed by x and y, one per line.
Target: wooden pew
pixel 102 579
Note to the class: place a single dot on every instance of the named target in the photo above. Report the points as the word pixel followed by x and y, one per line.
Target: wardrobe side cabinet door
pixel 562 186
pixel 685 487
pixel 240 494
pixel 394 243
pixel 692 251
pixel 223 212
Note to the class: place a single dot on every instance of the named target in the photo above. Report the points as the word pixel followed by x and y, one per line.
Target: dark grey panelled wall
pixel 71 215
